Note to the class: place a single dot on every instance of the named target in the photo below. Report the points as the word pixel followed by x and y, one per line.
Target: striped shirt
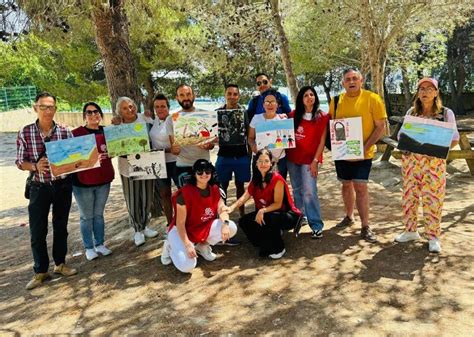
pixel 30 147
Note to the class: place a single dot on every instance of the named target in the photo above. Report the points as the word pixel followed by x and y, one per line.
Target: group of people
pixel 197 213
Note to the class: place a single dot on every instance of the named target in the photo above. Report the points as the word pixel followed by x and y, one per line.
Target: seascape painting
pixel 275 134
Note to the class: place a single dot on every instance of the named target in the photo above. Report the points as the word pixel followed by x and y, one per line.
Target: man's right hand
pixel 42 165
pixel 175 149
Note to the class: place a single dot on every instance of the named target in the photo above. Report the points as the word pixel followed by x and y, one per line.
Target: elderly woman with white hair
pixel 138 193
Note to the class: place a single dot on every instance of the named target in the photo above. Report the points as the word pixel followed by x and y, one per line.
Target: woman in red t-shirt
pixel 275 210
pixel 304 159
pixel 200 219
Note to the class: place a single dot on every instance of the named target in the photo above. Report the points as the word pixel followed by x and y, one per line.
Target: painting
pixel 193 128
pixel 126 139
pixel 347 140
pixel 426 136
pixel 72 155
pixel 231 127
pixel 147 165
pixel 275 134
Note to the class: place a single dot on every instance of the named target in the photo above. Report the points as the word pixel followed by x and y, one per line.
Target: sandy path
pixel 335 286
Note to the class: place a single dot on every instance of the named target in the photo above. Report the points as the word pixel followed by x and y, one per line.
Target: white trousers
pixel 177 250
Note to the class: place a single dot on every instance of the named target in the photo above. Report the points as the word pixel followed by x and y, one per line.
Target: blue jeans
pixel 305 192
pixel 91 203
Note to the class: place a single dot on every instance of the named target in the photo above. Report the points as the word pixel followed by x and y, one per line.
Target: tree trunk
pixel 406 89
pixel 150 93
pixel 284 49
pixel 112 37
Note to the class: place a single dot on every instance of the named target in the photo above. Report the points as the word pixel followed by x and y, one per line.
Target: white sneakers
pixel 91 254
pixel 165 254
pixel 407 236
pixel 277 255
pixel 102 250
pixel 205 250
pixel 139 237
pixel 434 246
pixel 150 233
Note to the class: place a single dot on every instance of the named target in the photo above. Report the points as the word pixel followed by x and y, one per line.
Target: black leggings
pixel 268 236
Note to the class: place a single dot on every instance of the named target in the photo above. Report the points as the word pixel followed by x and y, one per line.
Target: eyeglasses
pixel 264 82
pixel 92 112
pixel 47 107
pixel 270 102
pixel 201 172
pixel 428 90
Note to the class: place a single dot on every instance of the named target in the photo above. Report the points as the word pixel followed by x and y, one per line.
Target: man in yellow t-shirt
pixel 354 175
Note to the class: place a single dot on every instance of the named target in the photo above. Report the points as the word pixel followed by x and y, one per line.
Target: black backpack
pixel 328 131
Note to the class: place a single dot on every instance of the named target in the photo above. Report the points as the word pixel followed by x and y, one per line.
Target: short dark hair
pixel 231 85
pixel 184 85
pixel 161 97
pixel 262 74
pixel 272 92
pixel 44 94
pixel 95 105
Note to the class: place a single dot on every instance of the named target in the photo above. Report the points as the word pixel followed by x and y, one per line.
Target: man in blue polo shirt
pixel 255 107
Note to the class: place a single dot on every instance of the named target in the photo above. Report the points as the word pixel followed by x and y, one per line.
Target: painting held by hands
pixel 347 142
pixel 194 128
pixel 275 134
pixel 126 139
pixel 72 155
pixel 426 136
pixel 231 127
pixel 148 165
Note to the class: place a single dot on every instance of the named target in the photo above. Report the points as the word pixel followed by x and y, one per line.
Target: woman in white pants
pixel 200 220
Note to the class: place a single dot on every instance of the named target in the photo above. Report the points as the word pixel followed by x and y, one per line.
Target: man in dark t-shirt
pixel 233 157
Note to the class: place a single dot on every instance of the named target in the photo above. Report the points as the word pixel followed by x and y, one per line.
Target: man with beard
pixel 188 154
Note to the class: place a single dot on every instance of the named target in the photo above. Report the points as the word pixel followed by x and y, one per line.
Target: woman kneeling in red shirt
pixel 200 219
pixel 275 208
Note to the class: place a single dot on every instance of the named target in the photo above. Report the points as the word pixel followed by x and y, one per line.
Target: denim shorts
pixel 357 171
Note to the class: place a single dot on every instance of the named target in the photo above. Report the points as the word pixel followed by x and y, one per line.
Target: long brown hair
pixel 436 109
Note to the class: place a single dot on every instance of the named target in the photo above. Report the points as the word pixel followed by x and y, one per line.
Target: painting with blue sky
pixel 72 155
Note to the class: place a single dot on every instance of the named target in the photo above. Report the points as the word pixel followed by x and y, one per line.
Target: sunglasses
pixel 264 82
pixel 92 112
pixel 201 172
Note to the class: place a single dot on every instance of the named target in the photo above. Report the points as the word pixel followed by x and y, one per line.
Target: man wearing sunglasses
pixel 255 107
pixel 45 190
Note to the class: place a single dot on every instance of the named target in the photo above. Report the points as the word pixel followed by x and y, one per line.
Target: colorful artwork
pixel 426 136
pixel 231 127
pixel 72 155
pixel 275 134
pixel 126 139
pixel 347 141
pixel 147 165
pixel 193 128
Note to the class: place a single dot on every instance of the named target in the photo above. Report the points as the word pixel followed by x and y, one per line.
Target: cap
pixel 202 164
pixel 430 80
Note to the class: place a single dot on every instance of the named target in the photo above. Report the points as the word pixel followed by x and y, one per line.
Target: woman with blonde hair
pixel 424 177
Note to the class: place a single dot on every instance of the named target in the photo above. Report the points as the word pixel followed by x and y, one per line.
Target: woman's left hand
pixel 314 168
pixel 225 232
pixel 259 217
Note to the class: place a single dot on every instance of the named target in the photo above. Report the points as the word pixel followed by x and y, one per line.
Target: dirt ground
pixel 336 286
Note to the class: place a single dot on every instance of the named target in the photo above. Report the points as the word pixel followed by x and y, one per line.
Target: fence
pixel 12 98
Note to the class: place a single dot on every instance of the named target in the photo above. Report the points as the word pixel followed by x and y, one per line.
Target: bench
pixel 466 152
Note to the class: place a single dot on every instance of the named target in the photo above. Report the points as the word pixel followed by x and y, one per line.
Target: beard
pixel 186 104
